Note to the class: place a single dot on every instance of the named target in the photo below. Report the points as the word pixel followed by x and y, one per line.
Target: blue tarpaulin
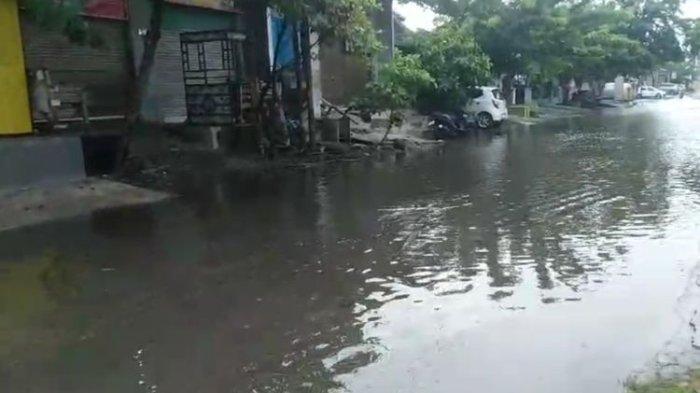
pixel 285 49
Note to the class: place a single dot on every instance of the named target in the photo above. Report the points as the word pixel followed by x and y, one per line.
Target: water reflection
pixel 493 264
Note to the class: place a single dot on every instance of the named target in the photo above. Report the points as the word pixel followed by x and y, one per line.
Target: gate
pixel 212 64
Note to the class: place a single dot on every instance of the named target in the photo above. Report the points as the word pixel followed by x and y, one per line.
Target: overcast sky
pixel 417 17
pixel 420 18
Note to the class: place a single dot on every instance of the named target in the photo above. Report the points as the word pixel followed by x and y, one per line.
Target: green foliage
pixel 692 38
pixel 583 39
pixel 687 384
pixel 604 54
pixel 346 20
pixel 655 25
pixel 65 17
pixel 685 71
pixel 454 61
pixel 397 86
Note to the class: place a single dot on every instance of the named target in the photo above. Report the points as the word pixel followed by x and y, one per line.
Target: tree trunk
pixel 306 59
pixel 388 128
pixel 272 77
pixel 507 87
pixel 140 75
pixel 269 78
pixel 299 72
pixel 145 67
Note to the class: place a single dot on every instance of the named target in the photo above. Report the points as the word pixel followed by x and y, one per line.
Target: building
pixel 95 78
pixel 14 108
pixel 97 71
pixel 165 100
pixel 343 74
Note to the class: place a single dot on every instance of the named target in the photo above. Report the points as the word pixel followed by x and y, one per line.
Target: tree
pixel 345 20
pixel 64 17
pixel 397 87
pixel 571 38
pixel 142 74
pixel 692 38
pixel 454 61
pixel 604 54
pixel 519 36
pixel 656 25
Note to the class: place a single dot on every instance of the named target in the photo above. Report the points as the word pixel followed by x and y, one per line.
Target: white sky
pixel 418 17
pixel 691 9
pixel 421 18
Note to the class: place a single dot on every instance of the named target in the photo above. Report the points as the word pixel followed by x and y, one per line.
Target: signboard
pixel 221 5
pixel 111 9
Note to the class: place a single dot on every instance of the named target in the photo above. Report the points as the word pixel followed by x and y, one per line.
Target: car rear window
pixel 474 93
pixel 497 94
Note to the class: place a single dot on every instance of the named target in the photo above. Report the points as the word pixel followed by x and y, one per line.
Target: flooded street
pixel 558 258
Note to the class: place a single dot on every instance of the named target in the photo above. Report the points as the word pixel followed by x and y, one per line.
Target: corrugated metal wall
pixel 165 98
pixel 103 72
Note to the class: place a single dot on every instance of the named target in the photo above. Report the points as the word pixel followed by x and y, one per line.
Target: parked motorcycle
pixel 451 125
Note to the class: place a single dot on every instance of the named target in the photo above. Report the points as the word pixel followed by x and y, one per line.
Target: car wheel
pixel 484 120
pixel 658 96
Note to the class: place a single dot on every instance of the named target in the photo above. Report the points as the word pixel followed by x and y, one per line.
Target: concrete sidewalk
pixel 550 112
pixel 35 205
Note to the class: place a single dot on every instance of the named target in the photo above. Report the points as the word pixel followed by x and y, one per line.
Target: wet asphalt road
pixel 555 258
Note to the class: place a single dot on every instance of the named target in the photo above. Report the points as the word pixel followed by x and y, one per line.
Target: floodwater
pixel 555 258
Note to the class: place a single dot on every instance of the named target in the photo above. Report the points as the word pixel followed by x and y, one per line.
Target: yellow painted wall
pixel 15 116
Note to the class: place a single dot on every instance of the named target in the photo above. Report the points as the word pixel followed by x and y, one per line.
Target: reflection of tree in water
pixel 34 324
pixel 563 205
pixel 230 298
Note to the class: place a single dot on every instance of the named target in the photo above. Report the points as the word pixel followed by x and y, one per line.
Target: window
pixel 474 93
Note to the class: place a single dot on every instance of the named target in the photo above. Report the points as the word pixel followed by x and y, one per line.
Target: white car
pixel 487 105
pixel 671 89
pixel 650 92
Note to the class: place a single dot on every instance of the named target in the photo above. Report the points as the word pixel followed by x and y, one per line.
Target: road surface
pixel 556 258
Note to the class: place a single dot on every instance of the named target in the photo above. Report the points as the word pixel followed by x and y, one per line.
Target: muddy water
pixel 547 259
